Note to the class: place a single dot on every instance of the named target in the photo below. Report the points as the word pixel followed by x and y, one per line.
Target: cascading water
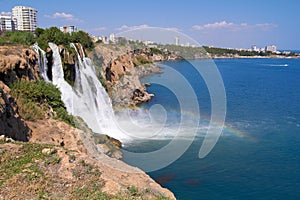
pixel 87 99
pixel 42 62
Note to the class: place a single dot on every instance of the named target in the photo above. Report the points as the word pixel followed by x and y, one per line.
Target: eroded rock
pixel 11 124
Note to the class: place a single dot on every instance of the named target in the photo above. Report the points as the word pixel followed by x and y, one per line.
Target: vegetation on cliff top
pixel 35 99
pixel 43 36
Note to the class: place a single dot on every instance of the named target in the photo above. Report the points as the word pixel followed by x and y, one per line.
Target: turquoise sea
pixel 258 153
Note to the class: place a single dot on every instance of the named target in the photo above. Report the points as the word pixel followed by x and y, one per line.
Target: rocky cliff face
pixel 122 70
pixel 11 124
pixel 16 63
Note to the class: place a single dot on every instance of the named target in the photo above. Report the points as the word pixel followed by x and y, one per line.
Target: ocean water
pixel 258 153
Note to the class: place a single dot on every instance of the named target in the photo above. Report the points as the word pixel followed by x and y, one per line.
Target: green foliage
pixel 155 51
pixel 103 82
pixel 56 160
pixel 184 52
pixel 30 110
pixel 83 38
pixel 61 113
pixel 52 34
pixel 12 164
pixel 133 190
pixel 44 36
pixel 34 98
pixel 141 60
pixel 17 37
pixel 122 41
pixel 230 52
pixel 39 31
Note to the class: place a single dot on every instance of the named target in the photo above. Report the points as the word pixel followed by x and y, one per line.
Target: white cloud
pixel 233 27
pixel 215 25
pixel 126 28
pixel 64 16
pixel 265 26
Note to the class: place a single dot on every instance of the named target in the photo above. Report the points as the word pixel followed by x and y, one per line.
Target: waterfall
pixel 87 99
pixel 59 80
pixel 42 62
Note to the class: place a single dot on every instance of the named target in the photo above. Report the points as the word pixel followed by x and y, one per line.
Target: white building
pixel 271 48
pixel 104 39
pixel 112 38
pixel 254 48
pixel 176 41
pixel 68 29
pixel 26 18
pixel 7 23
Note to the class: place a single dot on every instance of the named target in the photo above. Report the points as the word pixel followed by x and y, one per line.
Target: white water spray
pixel 88 99
pixel 42 62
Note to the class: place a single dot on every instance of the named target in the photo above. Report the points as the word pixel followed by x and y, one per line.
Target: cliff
pixel 11 124
pixel 16 63
pixel 121 69
pixel 59 161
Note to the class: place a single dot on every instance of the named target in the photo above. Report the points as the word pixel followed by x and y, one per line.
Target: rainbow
pixel 226 128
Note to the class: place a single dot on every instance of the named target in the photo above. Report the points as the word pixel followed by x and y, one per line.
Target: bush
pixel 54 35
pixel 44 36
pixel 35 98
pixel 140 60
pixel 17 37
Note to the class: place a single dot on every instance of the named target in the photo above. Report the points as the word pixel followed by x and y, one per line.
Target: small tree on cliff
pixel 83 38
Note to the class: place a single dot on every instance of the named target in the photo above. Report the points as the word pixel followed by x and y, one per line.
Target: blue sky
pixel 221 23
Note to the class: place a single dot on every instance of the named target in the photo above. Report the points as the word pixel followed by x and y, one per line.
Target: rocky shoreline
pixel 121 69
pixel 241 57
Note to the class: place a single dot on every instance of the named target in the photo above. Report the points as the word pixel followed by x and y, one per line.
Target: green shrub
pixel 141 59
pixel 103 82
pixel 34 98
pixel 44 36
pixel 17 37
pixel 53 34
pixel 61 113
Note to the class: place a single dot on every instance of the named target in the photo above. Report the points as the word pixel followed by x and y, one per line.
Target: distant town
pixel 22 18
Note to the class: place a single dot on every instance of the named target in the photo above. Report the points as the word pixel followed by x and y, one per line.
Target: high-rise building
pixel 68 29
pixel 26 18
pixel 271 48
pixel 176 41
pixel 254 48
pixel 7 23
pixel 112 38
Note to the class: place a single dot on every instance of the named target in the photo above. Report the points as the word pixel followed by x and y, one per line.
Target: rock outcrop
pixel 116 175
pixel 16 63
pixel 11 124
pixel 122 70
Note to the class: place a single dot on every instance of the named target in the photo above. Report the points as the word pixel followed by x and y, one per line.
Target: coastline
pixel 252 57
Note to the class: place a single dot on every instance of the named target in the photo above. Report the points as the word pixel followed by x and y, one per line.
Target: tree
pixel 83 38
pixel 54 35
pixel 38 32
